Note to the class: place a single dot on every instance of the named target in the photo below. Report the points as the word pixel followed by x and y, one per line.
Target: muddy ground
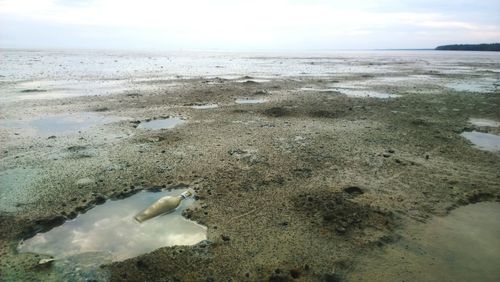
pixel 298 188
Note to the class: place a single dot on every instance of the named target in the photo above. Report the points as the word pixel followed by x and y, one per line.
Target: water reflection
pixel 462 246
pixel 483 141
pixel 60 123
pixel 111 231
pixel 161 123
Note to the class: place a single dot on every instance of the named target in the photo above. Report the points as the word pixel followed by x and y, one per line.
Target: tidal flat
pixel 309 183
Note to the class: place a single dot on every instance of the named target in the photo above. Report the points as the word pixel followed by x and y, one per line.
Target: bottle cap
pixel 186 194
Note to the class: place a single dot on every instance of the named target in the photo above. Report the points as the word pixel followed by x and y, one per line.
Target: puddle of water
pixel 167 123
pixel 16 186
pixel 55 89
pixel 317 89
pixel 481 122
pixel 250 101
pixel 472 86
pixel 367 94
pixel 252 80
pixel 205 106
pixel 483 141
pixel 60 123
pixel 109 232
pixel 462 246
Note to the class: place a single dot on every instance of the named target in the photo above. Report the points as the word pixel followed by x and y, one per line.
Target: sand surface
pixel 302 185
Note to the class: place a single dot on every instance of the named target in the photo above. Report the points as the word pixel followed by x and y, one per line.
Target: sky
pixel 234 25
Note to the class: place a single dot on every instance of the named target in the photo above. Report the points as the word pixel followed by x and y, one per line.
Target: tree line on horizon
pixel 471 47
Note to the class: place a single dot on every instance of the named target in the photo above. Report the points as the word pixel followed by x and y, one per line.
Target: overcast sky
pixel 246 25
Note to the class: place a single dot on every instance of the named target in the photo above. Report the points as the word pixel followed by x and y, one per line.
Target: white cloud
pixel 238 22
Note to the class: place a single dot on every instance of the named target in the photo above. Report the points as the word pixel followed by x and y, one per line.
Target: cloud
pixel 268 24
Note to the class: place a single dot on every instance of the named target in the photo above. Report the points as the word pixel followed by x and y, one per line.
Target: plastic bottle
pixel 164 205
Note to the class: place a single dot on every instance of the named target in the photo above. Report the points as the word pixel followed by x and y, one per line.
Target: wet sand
pixel 303 185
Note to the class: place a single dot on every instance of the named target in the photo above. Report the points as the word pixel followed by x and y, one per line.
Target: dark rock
pixel 386 155
pixel 324 114
pixel 101 109
pixel 250 82
pixel 295 273
pixel 33 90
pixel 331 278
pixel 278 278
pixel 99 200
pixel 225 238
pixel 261 92
pixel 51 137
pixel 276 112
pixel 141 264
pixel 353 190
pixel 340 230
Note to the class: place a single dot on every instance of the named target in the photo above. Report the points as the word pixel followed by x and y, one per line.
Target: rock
pixel 84 181
pixel 295 273
pixel 276 112
pixel 225 238
pixel 353 191
pixel 99 200
pixel 46 261
pixel 51 137
pixel 340 230
pixel 330 278
pixel 261 92
pixel 278 278
pixel 386 155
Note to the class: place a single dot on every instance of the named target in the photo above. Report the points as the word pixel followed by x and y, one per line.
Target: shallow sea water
pixel 60 73
pixel 462 246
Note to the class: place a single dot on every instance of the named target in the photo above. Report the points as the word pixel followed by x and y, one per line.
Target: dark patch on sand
pixel 338 214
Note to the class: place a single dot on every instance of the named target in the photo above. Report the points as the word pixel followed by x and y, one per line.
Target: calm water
pixel 110 232
pixel 462 246
pixel 483 141
pixel 31 74
pixel 166 123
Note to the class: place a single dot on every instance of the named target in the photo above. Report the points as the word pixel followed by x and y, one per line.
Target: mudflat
pixel 307 178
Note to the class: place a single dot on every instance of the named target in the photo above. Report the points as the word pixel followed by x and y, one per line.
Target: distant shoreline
pixel 470 47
